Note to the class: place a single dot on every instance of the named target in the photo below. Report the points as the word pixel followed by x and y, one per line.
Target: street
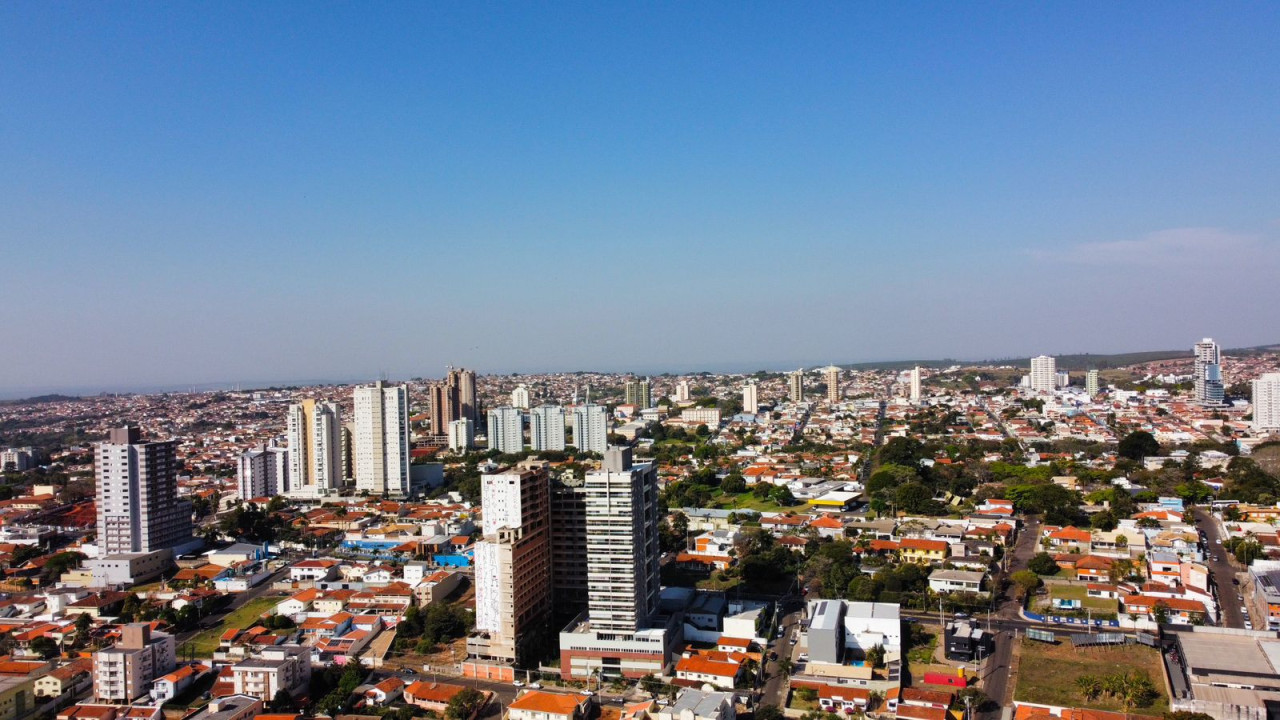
pixel 1220 570
pixel 775 686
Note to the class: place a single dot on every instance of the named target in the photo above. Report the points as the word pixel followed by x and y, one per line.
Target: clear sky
pixel 218 192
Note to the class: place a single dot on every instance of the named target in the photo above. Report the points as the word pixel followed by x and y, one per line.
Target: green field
pixel 203 645
pixel 747 501
pixel 1047 674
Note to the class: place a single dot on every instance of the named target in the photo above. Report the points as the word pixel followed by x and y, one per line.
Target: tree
pixel 464 704
pixel 785 666
pixel 45 647
pixel 650 684
pixel 1026 581
pixel 1106 521
pixel 875 656
pixel 1043 564
pixel 1138 444
pixel 1089 686
pixel 768 712
pixel 1161 612
pixel 282 701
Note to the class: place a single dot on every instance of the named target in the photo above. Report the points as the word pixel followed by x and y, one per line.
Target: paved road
pixel 1221 571
pixel 775 687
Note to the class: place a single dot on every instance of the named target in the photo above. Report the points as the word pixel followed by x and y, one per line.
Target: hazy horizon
pixel 340 191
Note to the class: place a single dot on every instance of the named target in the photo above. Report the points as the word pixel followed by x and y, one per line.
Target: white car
pixel 804 657
pixel 518 683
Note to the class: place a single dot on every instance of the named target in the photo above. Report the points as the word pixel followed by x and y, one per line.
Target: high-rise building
pixel 17 459
pixel 137 495
pixel 262 472
pixel 513 565
pixel 520 397
pixel 568 546
pixel 1044 374
pixel 125 671
pixel 590 428
pixel 795 386
pixel 1207 373
pixel 683 393
pixel 314 431
pixel 622 633
pixel 832 376
pixel 1266 403
pixel 1062 378
pixel 462 435
pixel 546 427
pixel 638 393
pixel 915 385
pixel 506 430
pixel 382 439
pixel 622 543
pixel 1091 383
pixel 444 406
pixel 464 382
pixel 750 398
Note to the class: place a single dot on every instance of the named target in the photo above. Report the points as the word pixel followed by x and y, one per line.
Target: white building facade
pixel 382 439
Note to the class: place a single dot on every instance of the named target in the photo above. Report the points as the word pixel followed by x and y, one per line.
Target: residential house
pixel 542 705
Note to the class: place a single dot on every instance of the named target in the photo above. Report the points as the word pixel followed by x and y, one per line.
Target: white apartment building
pixel 1091 383
pixel 520 397
pixel 314 432
pixel 622 543
pixel 506 430
pixel 915 385
pixel 1266 403
pixel 546 427
pixel 1044 374
pixel 750 398
pixel 125 671
pixel 382 439
pixel 702 416
pixel 274 668
pixel 262 472
pixel 1207 373
pixel 17 459
pixel 462 435
pixel 591 428
pixel 683 393
pixel 137 495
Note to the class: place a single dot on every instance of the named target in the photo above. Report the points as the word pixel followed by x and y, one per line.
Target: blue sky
pixel 194 193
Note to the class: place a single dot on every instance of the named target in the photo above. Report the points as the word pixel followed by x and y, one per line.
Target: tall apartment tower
pixel 462 435
pixel 638 393
pixel 546 427
pixel 382 439
pixel 832 376
pixel 569 546
pixel 795 386
pixel 520 397
pixel 444 407
pixel 750 398
pixel 262 472
pixel 622 543
pixel 915 385
pixel 1044 375
pixel 314 431
pixel 590 428
pixel 17 459
pixel 1266 403
pixel 513 565
pixel 506 430
pixel 683 393
pixel 1091 383
pixel 137 495
pixel 464 383
pixel 1207 373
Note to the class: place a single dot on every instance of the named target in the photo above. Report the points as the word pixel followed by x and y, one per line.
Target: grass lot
pixel 1079 592
pixel 203 645
pixel 747 501
pixel 1047 673
pixel 923 645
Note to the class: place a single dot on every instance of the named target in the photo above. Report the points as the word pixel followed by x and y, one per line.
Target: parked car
pixel 518 683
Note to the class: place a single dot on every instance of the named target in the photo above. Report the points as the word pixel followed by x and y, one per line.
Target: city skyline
pixel 881 181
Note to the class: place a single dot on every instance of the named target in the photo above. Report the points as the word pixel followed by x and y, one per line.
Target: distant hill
pixel 39 399
pixel 1081 361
